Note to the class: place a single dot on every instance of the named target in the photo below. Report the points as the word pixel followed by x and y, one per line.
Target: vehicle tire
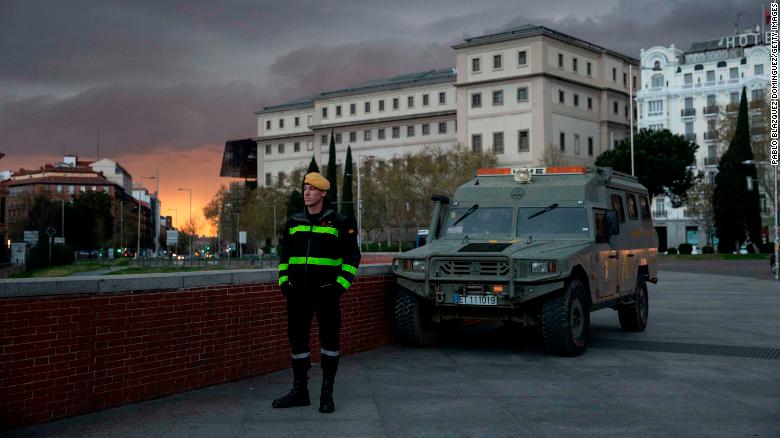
pixel 566 321
pixel 633 317
pixel 412 320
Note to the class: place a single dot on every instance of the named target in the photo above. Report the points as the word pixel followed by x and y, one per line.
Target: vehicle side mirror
pixel 613 228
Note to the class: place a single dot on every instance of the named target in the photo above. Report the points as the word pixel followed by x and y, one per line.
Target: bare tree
pixel 553 156
pixel 699 206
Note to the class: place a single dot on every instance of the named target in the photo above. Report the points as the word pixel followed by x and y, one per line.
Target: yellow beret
pixel 317 181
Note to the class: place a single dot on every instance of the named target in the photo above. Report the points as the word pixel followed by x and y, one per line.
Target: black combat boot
pixel 330 365
pixel 299 395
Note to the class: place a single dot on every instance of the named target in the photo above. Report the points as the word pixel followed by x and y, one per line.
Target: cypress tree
pixel 333 193
pixel 737 210
pixel 313 167
pixel 295 203
pixel 347 206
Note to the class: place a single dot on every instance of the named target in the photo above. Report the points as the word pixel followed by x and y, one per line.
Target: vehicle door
pixel 635 241
pixel 605 263
pixel 621 243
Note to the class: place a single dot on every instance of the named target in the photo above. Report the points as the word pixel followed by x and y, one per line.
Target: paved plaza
pixel 708 365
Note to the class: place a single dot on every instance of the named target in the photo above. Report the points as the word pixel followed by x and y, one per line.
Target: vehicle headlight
pixel 544 267
pixel 418 265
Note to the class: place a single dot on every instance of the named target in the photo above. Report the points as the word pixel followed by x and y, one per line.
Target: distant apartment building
pixel 689 92
pixel 515 93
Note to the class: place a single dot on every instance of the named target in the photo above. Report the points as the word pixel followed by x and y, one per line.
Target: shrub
pixel 707 250
pixel 767 248
pixel 671 251
pixel 685 248
pixel 38 257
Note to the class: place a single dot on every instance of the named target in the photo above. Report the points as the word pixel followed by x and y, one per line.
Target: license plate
pixel 478 300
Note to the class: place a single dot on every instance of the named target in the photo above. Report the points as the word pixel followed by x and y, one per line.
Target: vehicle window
pixel 617 205
pixel 489 222
pixel 631 205
pixel 567 222
pixel 644 205
pixel 600 221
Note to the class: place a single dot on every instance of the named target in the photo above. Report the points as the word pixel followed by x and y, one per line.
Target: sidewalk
pixel 485 380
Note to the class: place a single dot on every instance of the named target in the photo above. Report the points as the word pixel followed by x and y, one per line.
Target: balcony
pixel 690 136
pixel 657 214
pixel 755 104
pixel 711 161
pixel 710 135
pixel 732 108
pixel 711 110
pixel 688 112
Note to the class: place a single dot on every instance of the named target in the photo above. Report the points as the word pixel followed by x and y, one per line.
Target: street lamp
pixel 190 223
pixel 359 200
pixel 138 235
pixel 766 163
pixel 156 212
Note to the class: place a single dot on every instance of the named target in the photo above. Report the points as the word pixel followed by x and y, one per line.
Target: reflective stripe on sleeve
pixel 282 279
pixel 300 228
pixel 349 268
pixel 342 281
pixel 314 261
pixel 283 266
pixel 325 230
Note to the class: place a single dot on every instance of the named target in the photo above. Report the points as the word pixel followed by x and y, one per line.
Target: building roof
pixel 52 168
pixel 531 30
pixel 64 180
pixel 396 82
pixel 717 44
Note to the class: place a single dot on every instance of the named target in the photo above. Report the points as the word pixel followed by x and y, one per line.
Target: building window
pixel 655 107
pixel 561 96
pixel 59 189
pixel 498 142
pixel 574 64
pixel 656 127
pixel 614 74
pixel 309 146
pixel 476 142
pixel 297 121
pixel 476 100
pixel 268 149
pixel 577 100
pixel 625 79
pixel 590 146
pixel 410 131
pixel 338 110
pixel 522 57
pixel 352 137
pixel 296 147
pixel 105 189
pixel 576 144
pixel 588 68
pixel 281 123
pixel 657 81
pixel 615 107
pixel 352 109
pixel 395 103
pixel 324 139
pixel 734 98
pixel 498 98
pixel 522 141
pixel 367 107
pixel 367 135
pixel 337 137
pixel 425 100
pixel 442 98
pixel 426 129
pixel 522 94
pixel 281 148
pixel 475 67
pixel 734 73
pixel 71 189
pixel 496 62
pixel 410 101
pixel 562 141
pixel 560 60
pixel 325 112
pixel 380 133
pixel 590 103
pixel 758 69
pixel 625 111
pixel 711 76
pixel 280 178
pixel 756 95
pixel 688 78
pixel 268 178
pixel 396 132
pixel 442 127
pixel 267 125
pixel 381 105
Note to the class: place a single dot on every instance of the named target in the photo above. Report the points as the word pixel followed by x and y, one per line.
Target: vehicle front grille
pixel 471 267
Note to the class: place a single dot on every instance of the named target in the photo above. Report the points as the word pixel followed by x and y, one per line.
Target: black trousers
pixel 301 305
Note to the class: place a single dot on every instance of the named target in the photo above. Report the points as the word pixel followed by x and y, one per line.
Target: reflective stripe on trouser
pixel 301 355
pixel 300 310
pixel 330 353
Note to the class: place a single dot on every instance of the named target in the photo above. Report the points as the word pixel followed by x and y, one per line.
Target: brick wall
pixel 69 354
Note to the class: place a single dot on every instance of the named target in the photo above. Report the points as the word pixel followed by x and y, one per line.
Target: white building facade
pixel 688 93
pixel 515 93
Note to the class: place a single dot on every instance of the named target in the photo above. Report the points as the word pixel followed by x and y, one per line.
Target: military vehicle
pixel 540 247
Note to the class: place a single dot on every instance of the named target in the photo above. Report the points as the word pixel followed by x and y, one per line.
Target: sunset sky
pixel 166 83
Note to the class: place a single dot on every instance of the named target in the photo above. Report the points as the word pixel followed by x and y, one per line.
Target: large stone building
pixel 516 93
pixel 690 92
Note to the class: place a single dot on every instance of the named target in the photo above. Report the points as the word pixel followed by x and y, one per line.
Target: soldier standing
pixel 318 261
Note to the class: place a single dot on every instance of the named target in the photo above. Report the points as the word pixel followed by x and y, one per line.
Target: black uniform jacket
pixel 318 255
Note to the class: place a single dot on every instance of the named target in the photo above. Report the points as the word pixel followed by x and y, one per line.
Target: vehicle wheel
pixel 566 321
pixel 633 317
pixel 412 322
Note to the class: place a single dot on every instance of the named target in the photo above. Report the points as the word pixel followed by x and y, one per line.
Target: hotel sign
pixel 745 39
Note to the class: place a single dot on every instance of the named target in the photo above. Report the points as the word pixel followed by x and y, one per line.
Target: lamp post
pixel 156 211
pixel 138 234
pixel 777 249
pixel 190 223
pixel 359 200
